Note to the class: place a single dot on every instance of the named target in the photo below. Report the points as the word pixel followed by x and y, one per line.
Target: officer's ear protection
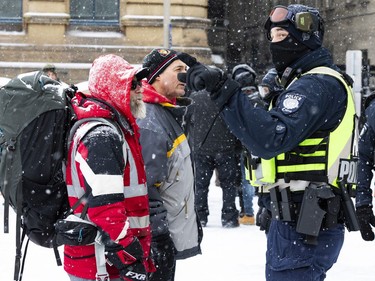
pixel 306 22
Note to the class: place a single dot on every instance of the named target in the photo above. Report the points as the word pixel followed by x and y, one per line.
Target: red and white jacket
pixel 109 163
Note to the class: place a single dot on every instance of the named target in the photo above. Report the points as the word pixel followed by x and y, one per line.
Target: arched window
pixel 11 15
pixel 94 12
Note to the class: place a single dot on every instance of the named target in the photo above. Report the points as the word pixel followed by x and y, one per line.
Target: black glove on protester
pixel 127 260
pixel 163 254
pixel 366 219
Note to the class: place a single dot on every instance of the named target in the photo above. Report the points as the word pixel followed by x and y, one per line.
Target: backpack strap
pixel 9 159
pixel 20 237
pixel 10 147
pixel 101 270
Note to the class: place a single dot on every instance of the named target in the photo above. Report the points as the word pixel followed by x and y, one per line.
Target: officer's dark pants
pixel 229 172
pixel 289 259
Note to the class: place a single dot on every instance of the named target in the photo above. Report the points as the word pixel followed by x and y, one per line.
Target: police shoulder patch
pixel 291 102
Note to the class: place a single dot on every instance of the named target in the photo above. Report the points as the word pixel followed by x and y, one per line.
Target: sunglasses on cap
pixel 303 21
pixel 135 84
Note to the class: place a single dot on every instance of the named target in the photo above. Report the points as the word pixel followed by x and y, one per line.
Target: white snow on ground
pixel 228 254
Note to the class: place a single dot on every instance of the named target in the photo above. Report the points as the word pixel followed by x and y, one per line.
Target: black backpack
pixel 35 117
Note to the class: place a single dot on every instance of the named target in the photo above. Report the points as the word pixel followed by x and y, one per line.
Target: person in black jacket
pixel 246 76
pixel 215 147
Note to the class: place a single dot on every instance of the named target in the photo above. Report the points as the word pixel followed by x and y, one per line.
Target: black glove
pixel 244 75
pixel 163 254
pixel 263 219
pixel 128 260
pixel 257 100
pixel 200 77
pixel 71 91
pixel 366 219
pixel 134 272
pixel 270 87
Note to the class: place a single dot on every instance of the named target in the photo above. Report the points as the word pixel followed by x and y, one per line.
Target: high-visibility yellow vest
pixel 317 158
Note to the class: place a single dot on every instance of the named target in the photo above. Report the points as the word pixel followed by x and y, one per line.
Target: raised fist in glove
pixel 200 77
pixel 366 219
pixel 128 260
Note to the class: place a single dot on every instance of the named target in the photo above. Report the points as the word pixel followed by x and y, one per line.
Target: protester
pixel 176 233
pixel 301 143
pixel 105 161
pixel 50 70
pixel 366 149
pixel 246 76
pixel 215 148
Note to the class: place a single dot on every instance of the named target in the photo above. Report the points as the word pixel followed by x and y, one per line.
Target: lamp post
pixel 167 25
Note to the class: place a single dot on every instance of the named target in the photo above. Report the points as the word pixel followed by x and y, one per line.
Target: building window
pixel 94 12
pixel 11 15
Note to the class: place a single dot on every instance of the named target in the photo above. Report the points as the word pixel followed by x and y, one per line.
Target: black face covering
pixel 285 52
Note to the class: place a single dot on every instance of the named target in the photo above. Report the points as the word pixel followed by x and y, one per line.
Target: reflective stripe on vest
pixel 318 157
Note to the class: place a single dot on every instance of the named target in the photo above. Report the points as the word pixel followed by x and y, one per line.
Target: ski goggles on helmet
pixel 302 21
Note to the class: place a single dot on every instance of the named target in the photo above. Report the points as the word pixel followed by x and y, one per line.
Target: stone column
pixel 46 18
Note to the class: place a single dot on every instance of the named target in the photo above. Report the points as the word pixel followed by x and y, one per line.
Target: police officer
pixel 366 150
pixel 300 142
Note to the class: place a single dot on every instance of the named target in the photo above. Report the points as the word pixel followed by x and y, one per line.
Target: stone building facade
pixel 47 32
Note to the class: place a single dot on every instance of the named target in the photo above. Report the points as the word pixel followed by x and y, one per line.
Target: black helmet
pixel 302 22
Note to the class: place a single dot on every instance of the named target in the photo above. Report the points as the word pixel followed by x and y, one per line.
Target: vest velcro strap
pixel 320 134
pixel 318 176
pixel 298 160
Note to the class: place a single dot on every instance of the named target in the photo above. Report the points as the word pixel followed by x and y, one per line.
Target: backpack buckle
pixel 11 145
pixel 102 277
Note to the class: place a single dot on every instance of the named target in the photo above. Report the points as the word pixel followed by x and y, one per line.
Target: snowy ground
pixel 228 254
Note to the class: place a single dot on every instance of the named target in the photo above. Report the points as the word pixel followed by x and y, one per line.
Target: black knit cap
pixel 157 61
